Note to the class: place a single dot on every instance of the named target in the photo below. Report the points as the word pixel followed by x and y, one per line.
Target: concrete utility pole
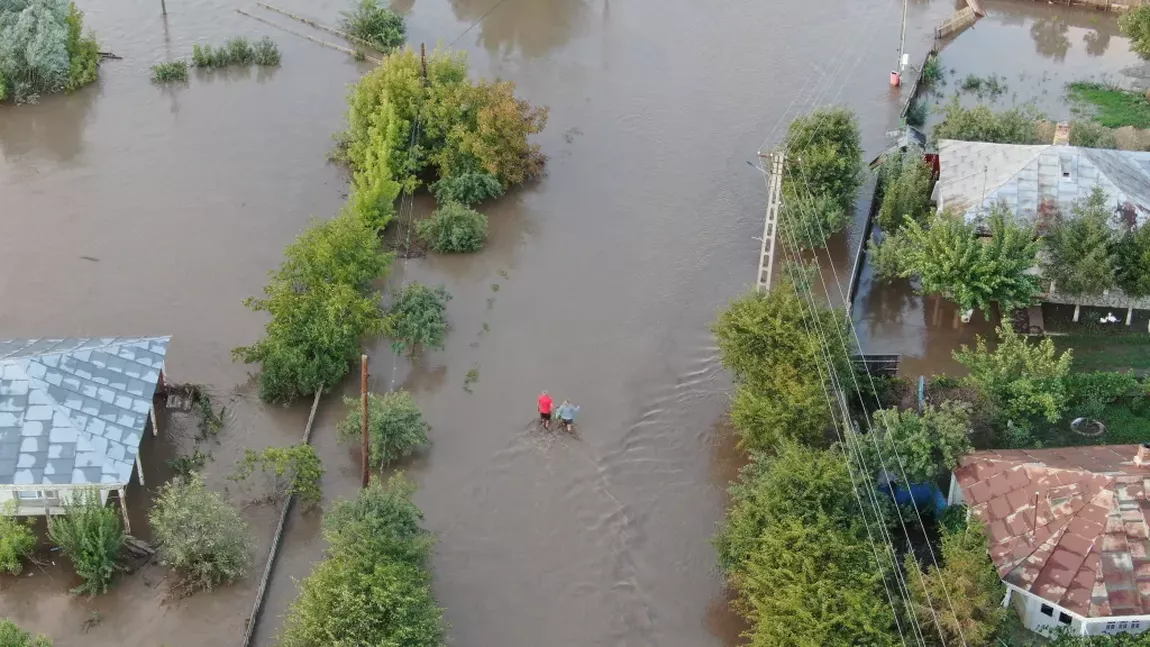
pixel 774 179
pixel 365 464
pixel 164 7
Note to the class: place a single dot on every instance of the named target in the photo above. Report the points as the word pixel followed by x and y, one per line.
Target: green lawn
pixel 1112 107
pixel 1108 352
pixel 1127 423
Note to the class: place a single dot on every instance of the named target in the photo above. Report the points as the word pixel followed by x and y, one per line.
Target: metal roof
pixel 73 411
pixel 1068 525
pixel 976 175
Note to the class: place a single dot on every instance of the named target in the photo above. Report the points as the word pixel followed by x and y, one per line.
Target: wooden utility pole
pixel 423 59
pixel 164 7
pixel 363 396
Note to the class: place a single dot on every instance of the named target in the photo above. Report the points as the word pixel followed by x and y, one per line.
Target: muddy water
pixel 131 209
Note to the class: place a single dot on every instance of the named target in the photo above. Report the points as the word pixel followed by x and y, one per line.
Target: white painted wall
pixel 25 507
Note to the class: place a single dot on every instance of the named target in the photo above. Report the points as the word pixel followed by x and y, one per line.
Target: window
pixel 1122 625
pixel 1137 624
pixel 1046 609
pixel 37 495
pixel 1109 626
pixel 1064 618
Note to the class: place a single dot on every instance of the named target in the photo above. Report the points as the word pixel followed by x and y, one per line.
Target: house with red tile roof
pixel 1068 532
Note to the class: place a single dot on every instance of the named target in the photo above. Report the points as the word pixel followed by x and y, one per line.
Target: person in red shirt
pixel 545 410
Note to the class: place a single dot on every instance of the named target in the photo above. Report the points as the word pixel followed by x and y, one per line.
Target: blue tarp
pixel 925 495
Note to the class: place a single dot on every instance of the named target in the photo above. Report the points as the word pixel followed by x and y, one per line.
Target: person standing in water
pixel 567 413
pixel 545 410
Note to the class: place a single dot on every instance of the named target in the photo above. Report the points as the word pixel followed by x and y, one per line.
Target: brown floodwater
pixel 131 209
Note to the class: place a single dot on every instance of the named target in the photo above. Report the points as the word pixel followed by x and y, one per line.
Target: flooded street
pixel 131 209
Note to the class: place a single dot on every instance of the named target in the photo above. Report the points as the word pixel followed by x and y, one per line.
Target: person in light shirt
pixel 567 413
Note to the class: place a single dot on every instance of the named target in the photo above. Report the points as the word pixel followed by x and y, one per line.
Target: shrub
pixel 171 72
pixel 266 53
pixel 949 258
pixel 370 21
pixel 932 70
pixel 17 541
pixel 3 86
pixel 211 57
pixel 1091 135
pixel 321 305
pixel 1089 393
pixel 295 470
pixel 454 228
pixel 1135 25
pixel 200 534
pixel 981 124
pixel 11 635
pixel 468 188
pixel 417 319
pixel 395 426
pixel 240 51
pixel 83 51
pixel 1080 250
pixel 906 181
pixel 90 535
pixel 373 587
pixel 916 113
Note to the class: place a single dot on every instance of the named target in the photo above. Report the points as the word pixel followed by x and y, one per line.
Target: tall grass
pixel 266 53
pixel 369 20
pixel 170 72
pixel 237 51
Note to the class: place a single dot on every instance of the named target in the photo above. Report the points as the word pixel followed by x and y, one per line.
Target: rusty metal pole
pixel 363 396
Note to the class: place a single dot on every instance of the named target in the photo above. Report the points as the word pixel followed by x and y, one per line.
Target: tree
pixel 1135 25
pixel 11 635
pixel 1080 250
pixel 1020 380
pixel 295 470
pixel 83 51
pixel 981 124
pixel 90 535
pixel 396 428
pixel 200 534
pixel 373 587
pixel 43 48
pixel 454 228
pixel 906 184
pixel 809 222
pixel 468 188
pixel 949 258
pixel 963 597
pixel 920 448
pixel 792 408
pixel 824 156
pixel 321 304
pixel 1132 257
pixel 796 483
pixel 17 541
pixel 417 319
pixel 814 583
pixel 371 21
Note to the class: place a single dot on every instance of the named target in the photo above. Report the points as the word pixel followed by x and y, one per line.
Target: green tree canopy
pixel 798 482
pixel 1021 380
pixel 418 318
pixel 1080 249
pixel 1135 25
pixel 919 447
pixel 814 584
pixel 1132 256
pixel 454 228
pixel 949 258
pixel 963 597
pixel 11 635
pixel 395 426
pixel 905 180
pixel 981 124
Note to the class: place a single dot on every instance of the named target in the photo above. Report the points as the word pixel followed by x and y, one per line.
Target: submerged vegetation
pixel 395 426
pixel 1111 106
pixel 43 49
pixel 90 535
pixel 237 51
pixel 372 22
pixel 823 174
pixel 171 72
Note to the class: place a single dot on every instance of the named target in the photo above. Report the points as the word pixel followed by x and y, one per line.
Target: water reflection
pixel 53 128
pixel 533 27
pixel 1096 41
pixel 1050 37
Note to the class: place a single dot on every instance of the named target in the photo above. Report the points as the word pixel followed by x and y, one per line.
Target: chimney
pixel 1062 134
pixel 1143 455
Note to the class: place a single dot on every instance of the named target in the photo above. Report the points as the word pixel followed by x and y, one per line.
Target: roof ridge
pixel 118 341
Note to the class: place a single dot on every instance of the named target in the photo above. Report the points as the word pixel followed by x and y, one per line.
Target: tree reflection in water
pixel 1096 42
pixel 533 27
pixel 1050 37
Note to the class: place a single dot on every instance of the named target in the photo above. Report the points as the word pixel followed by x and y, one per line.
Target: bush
pixel 321 304
pixel 34 55
pixel 906 180
pixel 1091 135
pixel 454 228
pixel 265 53
pixel 295 470
pixel 981 124
pixel 1135 25
pixel 17 541
pixel 172 72
pixel 3 86
pixel 11 635
pixel 370 21
pixel 1089 393
pixel 468 188
pixel 916 113
pixel 90 535
pixel 932 70
pixel 417 319
pixel 240 51
pixel 1080 250
pixel 83 51
pixel 200 534
pixel 207 56
pixel 395 426
pixel 373 587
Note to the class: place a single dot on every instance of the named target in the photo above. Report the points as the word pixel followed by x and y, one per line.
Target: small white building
pixel 72 415
pixel 1068 533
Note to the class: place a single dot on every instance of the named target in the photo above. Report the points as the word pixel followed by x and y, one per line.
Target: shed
pixel 72 414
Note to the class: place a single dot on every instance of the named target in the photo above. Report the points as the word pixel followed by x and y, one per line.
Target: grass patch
pixel 1127 422
pixel 1107 352
pixel 1113 107
pixel 171 72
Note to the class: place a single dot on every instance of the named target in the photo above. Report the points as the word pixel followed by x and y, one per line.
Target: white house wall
pixel 24 509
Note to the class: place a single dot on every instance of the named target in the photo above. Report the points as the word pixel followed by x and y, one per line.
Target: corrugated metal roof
pixel 73 411
pixel 976 175
pixel 1068 525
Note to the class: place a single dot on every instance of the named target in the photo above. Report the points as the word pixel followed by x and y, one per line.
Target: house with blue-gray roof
pixel 73 412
